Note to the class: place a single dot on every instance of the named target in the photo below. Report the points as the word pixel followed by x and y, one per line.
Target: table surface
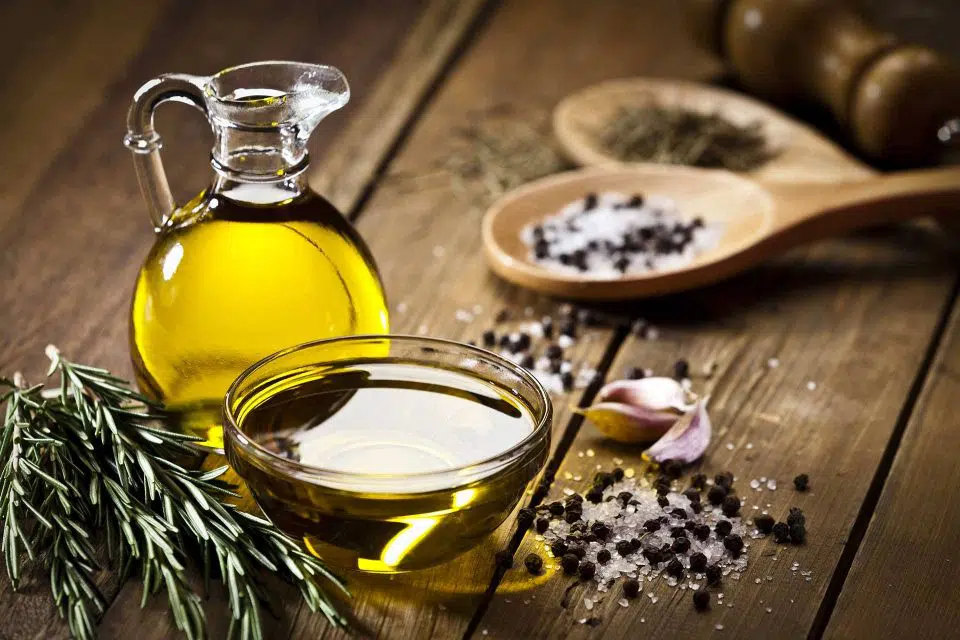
pixel 871 319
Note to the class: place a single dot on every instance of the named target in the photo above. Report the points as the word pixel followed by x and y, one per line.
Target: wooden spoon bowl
pixel 801 154
pixel 760 220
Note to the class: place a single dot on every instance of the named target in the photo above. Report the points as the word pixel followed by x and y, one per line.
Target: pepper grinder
pixel 898 102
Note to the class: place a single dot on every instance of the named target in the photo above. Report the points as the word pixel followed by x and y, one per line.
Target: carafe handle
pixel 145 142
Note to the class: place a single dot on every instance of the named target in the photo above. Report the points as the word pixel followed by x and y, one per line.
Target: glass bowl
pixel 383 522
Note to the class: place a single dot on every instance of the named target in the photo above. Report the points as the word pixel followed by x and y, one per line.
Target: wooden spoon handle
pixel 804 213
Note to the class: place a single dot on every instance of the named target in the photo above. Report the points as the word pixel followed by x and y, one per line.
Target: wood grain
pixel 72 250
pixel 902 583
pixel 852 316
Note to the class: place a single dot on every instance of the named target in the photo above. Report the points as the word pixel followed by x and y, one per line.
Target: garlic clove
pixel 629 423
pixel 655 394
pixel 687 439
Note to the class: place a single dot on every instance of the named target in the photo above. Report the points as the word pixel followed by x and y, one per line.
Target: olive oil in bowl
pixel 387 454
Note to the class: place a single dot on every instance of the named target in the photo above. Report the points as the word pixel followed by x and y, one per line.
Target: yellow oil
pixel 399 420
pixel 229 282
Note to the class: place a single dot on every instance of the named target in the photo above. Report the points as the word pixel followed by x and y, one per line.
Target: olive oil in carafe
pixel 230 281
pixel 398 421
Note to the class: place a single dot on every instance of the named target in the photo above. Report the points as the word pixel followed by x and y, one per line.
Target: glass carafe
pixel 254 263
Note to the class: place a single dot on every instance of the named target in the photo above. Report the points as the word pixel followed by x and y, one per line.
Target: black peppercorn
pixel 603 556
pixel 534 563
pixel 796 517
pixel 603 479
pixel 617 474
pixel 696 507
pixel 733 543
pixel 541 491
pixel 663 502
pixel 652 556
pixel 798 534
pixel 624 497
pixel 672 468
pixel 699 481
pixel 635 544
pixel 631 587
pixel 724 480
pixel 553 352
pixel 578 551
pixel 600 530
pixel 698 562
pixel 662 488
pixel 678 532
pixel 679 513
pixel 693 495
pixel 702 532
pixel 504 559
pixel 624 548
pixel 556 508
pixel 675 568
pixel 589 538
pixel 652 525
pixel 525 518
pixel 558 548
pixel 489 338
pixel 576 497
pixel 716 494
pixel 781 532
pixel 527 361
pixel 570 564
pixel 572 515
pixel 680 545
pixel 713 574
pixel 587 570
pixel 801 482
pixel 689 525
pixel 566 381
pixel 723 528
pixel 595 494
pixel 701 599
pixel 634 373
pixel 731 506
pixel 681 369
pixel 542 524
pixel 764 523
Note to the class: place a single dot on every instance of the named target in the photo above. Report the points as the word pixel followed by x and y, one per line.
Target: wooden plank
pixel 902 582
pixel 71 252
pixel 854 317
pixel 48 92
pixel 423 227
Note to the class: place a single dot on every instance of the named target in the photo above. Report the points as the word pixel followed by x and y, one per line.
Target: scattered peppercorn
pixel 699 481
pixel 578 551
pixel 724 480
pixel 566 380
pixel 696 507
pixel 502 316
pixel 675 568
pixel 504 559
pixel 525 518
pixel 635 373
pixel 603 556
pixel 681 545
pixel 681 369
pixel 635 544
pixel 698 562
pixel 558 548
pixel 693 495
pixel 701 599
pixel 624 548
pixel 572 515
pixel 678 532
pixel 534 564
pixel 542 524
pixel 689 525
pixel 556 508
pixel 781 532
pixel 679 513
pixel 617 474
pixel 587 570
pixel 716 494
pixel 672 468
pixel 796 517
pixel 764 523
pixel 652 525
pixel 798 534
pixel 731 506
pixel 541 491
pixel 595 494
pixel 570 564
pixel 489 338
pixel 631 587
pixel 663 502
pixel 527 361
pixel 733 543
pixel 702 532
pixel 801 482
pixel 568 328
pixel 603 479
pixel 600 530
pixel 553 352
pixel 624 497
pixel 723 528
pixel 576 497
pixel 714 574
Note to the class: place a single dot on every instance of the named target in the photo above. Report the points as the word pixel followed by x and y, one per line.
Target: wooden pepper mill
pixel 900 103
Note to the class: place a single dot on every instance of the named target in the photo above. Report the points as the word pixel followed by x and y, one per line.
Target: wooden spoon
pixel 760 220
pixel 802 154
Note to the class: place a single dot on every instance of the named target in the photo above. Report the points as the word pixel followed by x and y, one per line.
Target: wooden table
pixel 872 319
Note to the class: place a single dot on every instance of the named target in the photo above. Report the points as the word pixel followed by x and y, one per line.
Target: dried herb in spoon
pixel 86 462
pixel 675 135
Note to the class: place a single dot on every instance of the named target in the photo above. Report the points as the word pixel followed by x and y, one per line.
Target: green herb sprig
pixel 88 460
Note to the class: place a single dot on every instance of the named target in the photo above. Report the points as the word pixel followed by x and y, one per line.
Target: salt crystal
pixel 588 604
pixel 754 484
pixel 422 329
pixel 618 461
pixel 652 333
pixel 812 386
pixel 763 478
pixel 567 491
pixel 565 341
pixel 484 632
pixel 623 602
pixel 402 307
pixel 566 367
pixel 654 600
pixel 772 484
pixel 579 454
pixel 773 363
pixel 567 475
pixel 477 309
pixel 769 610
pixel 462 315
pixel 582 621
pixel 757 581
pixel 590 453
pixel 578 478
pixel 718 627
pixel 749 445
pixel 528 311
pixel 439 251
pixel 730 446
pixel 629 473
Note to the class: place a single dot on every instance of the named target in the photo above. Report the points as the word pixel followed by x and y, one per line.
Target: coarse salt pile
pixel 613 234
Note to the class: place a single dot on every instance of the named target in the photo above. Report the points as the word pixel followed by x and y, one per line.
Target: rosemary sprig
pixel 89 457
